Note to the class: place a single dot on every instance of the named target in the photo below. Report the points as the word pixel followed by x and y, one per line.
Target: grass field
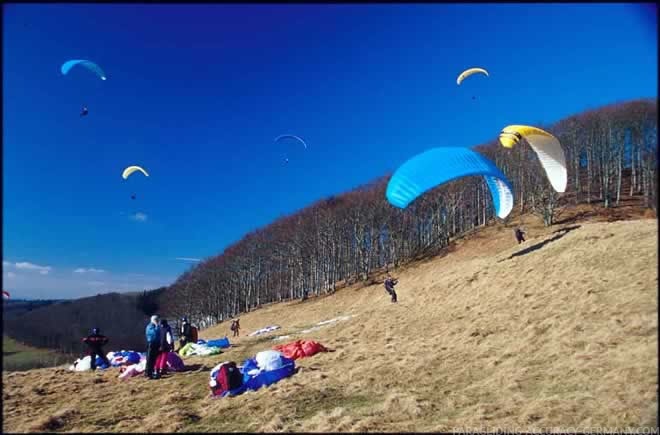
pixel 560 332
pixel 19 357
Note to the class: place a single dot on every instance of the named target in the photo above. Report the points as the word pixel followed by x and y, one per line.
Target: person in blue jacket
pixel 153 344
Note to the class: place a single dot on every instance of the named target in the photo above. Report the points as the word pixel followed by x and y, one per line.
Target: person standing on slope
pixel 185 333
pixel 389 286
pixel 153 344
pixel 95 341
pixel 235 327
pixel 520 235
pixel 166 346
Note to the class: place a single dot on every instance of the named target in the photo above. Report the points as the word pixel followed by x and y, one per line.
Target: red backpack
pixel 227 378
pixel 193 333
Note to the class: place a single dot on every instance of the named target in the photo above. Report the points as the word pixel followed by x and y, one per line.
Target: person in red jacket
pixel 95 341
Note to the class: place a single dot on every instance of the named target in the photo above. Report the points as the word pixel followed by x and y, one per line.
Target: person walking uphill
pixel 389 286
pixel 520 235
pixel 166 342
pixel 153 344
pixel 95 341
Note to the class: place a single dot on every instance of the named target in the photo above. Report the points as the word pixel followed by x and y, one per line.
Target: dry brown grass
pixel 558 332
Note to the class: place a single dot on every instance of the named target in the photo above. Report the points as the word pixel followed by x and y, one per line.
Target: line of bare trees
pixel 611 154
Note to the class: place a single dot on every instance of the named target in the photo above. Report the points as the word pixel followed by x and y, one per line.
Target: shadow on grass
pixel 194 368
pixel 561 232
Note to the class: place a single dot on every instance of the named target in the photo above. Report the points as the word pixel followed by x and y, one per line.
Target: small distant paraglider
pixel 84 111
pixel 5 294
pixel 468 72
pixel 69 64
pixel 131 169
pixel 290 136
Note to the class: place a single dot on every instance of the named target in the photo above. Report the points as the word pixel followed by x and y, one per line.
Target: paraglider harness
pixel 228 377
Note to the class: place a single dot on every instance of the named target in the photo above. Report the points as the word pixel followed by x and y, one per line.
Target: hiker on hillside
pixel 235 327
pixel 153 345
pixel 95 341
pixel 520 235
pixel 166 345
pixel 185 333
pixel 389 286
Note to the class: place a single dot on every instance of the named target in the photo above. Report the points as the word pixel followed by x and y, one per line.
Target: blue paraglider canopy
pixel 66 67
pixel 441 165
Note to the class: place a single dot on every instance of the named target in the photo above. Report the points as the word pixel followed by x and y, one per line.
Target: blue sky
pixel 197 93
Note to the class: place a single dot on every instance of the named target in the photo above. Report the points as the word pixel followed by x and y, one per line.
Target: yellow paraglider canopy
pixel 468 72
pixel 128 171
pixel 546 147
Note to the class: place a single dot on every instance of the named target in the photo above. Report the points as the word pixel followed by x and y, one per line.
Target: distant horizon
pixel 196 94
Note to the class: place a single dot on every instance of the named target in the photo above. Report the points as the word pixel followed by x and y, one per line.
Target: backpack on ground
pixel 228 377
pixel 193 334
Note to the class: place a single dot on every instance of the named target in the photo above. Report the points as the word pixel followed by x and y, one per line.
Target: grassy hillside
pixel 558 332
pixel 17 356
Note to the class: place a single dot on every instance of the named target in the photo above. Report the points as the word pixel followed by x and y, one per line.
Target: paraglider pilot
pixel 185 333
pixel 235 327
pixel 166 346
pixel 153 346
pixel 389 286
pixel 95 341
pixel 520 235
pixel 84 111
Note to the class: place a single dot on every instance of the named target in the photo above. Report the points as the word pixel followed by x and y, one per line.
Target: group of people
pixel 160 341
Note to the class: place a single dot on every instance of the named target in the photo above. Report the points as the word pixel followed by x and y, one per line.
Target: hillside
pixel 558 332
pixel 18 356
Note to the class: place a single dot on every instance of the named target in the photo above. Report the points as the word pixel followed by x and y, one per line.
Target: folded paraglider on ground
pixel 217 342
pixel 191 349
pixel 301 349
pixel 265 330
pixel 267 368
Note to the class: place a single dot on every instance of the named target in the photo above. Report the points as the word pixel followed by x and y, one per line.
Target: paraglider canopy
pixel 468 72
pixel 438 166
pixel 291 136
pixel 129 170
pixel 5 294
pixel 69 64
pixel 547 148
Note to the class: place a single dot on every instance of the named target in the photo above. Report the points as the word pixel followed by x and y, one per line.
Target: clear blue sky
pixel 197 93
